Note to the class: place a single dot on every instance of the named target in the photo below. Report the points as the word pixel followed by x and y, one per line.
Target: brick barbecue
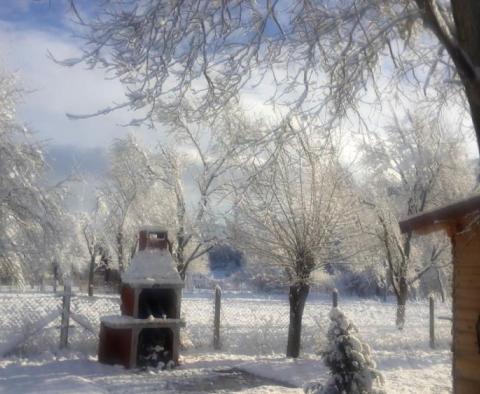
pixel 148 331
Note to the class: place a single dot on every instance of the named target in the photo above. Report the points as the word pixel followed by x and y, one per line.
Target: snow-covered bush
pixel 349 360
pixel 268 282
pixel 366 281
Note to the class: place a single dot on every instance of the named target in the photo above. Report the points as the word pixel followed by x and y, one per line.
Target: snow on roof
pixel 152 266
pixel 153 228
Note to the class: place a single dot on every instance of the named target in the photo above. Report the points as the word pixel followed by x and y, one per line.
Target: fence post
pixel 55 276
pixel 335 298
pixel 432 321
pixel 216 319
pixel 67 293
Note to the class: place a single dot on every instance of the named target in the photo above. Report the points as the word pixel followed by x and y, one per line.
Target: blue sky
pixel 35 13
pixel 28 30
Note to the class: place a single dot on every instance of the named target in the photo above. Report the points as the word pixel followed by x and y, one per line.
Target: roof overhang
pixel 444 218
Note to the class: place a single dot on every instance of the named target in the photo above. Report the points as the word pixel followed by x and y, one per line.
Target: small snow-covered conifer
pixel 349 360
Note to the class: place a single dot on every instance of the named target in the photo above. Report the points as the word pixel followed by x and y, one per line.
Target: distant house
pixel 461 221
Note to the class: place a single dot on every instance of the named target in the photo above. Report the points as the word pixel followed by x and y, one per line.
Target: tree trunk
pixel 182 269
pixel 55 276
pixel 120 251
pixel 440 286
pixel 183 274
pixel 473 95
pixel 466 14
pixel 180 252
pixel 91 272
pixel 402 296
pixel 385 285
pixel 107 276
pixel 297 298
pixel 181 263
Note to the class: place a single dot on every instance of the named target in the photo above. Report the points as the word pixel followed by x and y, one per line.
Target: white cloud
pixel 56 90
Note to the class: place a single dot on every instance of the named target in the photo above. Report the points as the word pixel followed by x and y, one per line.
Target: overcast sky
pixel 28 30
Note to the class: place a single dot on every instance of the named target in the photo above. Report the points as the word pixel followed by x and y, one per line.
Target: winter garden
pixel 279 143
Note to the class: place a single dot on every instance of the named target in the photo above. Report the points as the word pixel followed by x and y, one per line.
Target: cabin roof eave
pixel 441 218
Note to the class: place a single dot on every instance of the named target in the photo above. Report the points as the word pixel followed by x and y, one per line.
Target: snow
pixel 85 375
pixel 128 321
pixel 18 338
pixel 152 266
pixel 403 357
pixel 153 229
pixel 286 371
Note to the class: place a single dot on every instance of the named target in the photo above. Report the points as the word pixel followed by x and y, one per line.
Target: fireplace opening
pixel 155 347
pixel 157 302
pixel 160 236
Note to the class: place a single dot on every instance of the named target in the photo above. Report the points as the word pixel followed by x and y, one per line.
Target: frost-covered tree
pixel 349 359
pixel 127 198
pixel 64 254
pixel 293 213
pixel 413 165
pixel 96 248
pixel 196 168
pixel 32 216
pixel 433 274
pixel 178 184
pixel 191 236
pixel 319 54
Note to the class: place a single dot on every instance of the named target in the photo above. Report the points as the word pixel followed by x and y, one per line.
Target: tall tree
pixel 128 198
pixel 414 164
pixel 191 238
pixel 96 247
pixel 32 216
pixel 292 215
pixel 195 170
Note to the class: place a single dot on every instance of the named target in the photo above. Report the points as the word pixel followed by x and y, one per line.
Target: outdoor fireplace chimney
pixel 153 238
pixel 148 332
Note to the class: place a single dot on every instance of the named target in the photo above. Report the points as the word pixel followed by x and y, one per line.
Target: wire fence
pixel 250 324
pixel 259 325
pixel 31 322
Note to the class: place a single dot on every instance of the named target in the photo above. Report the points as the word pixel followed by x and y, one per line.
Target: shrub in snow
pixel 349 360
pixel 365 282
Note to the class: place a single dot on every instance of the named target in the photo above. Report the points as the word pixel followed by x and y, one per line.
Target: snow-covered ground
pixel 254 335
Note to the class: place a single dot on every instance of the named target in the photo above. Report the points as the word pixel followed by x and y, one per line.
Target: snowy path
pixel 76 375
pixel 203 373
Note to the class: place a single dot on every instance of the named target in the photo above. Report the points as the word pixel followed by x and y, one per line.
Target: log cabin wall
pixel 461 220
pixel 466 311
